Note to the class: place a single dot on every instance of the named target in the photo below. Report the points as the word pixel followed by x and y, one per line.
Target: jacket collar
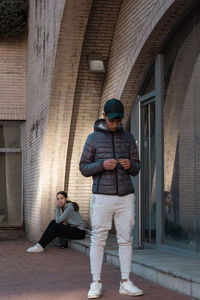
pixel 100 125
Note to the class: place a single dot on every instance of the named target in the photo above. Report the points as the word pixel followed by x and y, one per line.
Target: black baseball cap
pixel 113 109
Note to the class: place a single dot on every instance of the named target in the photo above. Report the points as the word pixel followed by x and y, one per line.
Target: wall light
pixel 96 63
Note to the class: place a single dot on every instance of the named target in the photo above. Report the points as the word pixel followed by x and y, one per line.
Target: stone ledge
pixel 12 234
pixel 166 269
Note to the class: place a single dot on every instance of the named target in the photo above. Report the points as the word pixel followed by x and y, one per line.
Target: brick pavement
pixel 61 274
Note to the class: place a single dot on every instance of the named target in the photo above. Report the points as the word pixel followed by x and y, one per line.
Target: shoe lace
pixel 95 285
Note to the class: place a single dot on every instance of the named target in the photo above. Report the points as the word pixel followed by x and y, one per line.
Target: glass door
pixel 148 175
pixel 147 127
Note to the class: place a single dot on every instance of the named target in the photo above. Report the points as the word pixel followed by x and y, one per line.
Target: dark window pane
pixel 9 136
pixel 10 189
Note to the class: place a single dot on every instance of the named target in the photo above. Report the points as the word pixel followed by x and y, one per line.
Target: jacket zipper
pixel 98 183
pixel 115 158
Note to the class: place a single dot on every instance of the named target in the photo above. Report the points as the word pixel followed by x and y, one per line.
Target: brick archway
pixel 138 54
pixel 73 26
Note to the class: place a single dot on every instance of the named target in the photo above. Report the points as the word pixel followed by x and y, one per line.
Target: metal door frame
pixel 158 95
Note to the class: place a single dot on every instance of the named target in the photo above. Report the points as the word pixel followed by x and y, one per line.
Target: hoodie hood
pixel 100 125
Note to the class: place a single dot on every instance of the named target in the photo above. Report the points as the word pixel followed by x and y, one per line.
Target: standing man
pixel 110 155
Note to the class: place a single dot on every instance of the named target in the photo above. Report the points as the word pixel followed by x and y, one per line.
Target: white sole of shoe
pixel 94 297
pixel 30 251
pixel 130 294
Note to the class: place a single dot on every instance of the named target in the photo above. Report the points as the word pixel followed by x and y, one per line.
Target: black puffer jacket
pixel 104 144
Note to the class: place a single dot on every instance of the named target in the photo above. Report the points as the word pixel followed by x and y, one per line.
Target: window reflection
pixel 181 137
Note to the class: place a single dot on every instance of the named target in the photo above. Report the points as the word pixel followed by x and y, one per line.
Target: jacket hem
pixel 113 194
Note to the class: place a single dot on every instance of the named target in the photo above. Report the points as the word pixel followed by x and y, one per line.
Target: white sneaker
pixel 128 288
pixel 95 290
pixel 36 248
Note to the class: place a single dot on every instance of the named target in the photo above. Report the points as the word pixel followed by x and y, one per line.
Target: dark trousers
pixel 59 230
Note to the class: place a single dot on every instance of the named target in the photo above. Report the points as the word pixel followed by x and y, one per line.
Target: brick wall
pixel 89 87
pixel 13 79
pixel 56 32
pixel 140 31
pixel 44 26
pixel 55 146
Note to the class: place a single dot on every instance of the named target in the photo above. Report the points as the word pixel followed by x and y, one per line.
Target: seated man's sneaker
pixel 95 290
pixel 36 248
pixel 128 288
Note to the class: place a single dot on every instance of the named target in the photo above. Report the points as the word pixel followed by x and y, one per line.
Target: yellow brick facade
pixel 13 79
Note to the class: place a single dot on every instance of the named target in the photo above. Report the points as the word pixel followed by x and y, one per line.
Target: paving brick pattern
pixel 57 274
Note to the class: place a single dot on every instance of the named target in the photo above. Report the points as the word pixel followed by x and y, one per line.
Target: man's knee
pixel 125 243
pixel 99 237
pixel 125 240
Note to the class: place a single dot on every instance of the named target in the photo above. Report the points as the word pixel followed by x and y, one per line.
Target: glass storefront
pixel 11 214
pixel 182 137
pixel 172 219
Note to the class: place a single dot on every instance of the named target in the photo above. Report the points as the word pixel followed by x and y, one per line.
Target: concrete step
pixel 12 234
pixel 171 270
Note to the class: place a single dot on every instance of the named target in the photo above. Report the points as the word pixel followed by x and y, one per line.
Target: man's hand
pixel 65 223
pixel 125 163
pixel 109 164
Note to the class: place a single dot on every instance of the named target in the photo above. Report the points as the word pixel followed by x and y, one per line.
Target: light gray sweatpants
pixel 102 209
